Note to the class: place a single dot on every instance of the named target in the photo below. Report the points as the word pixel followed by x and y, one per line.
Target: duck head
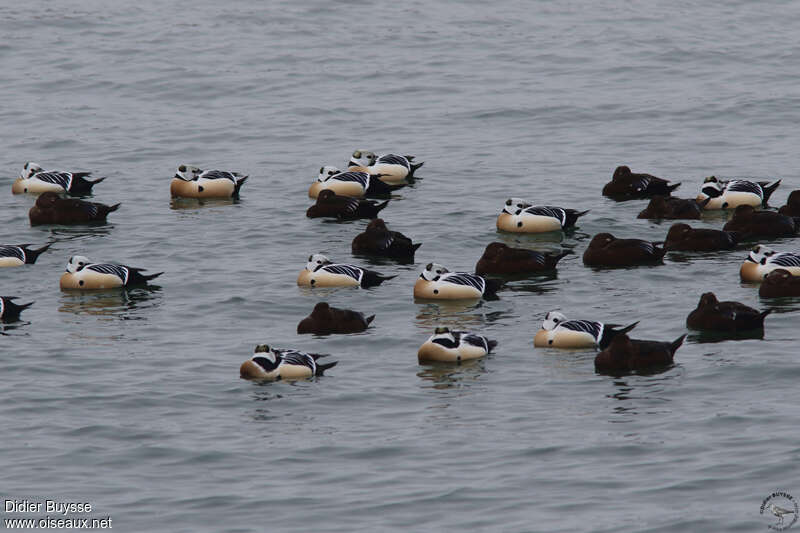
pixel 433 271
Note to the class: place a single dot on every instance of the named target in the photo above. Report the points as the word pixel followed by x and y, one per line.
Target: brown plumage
pixel 751 223
pixel 50 208
pixel 329 204
pixel 792 207
pixel 499 258
pixel 325 320
pixel 625 355
pixel 779 283
pixel 377 239
pixel 626 185
pixel 607 250
pixel 714 315
pixel 670 207
pixel 685 238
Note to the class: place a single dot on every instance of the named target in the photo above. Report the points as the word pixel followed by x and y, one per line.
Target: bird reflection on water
pixel 122 303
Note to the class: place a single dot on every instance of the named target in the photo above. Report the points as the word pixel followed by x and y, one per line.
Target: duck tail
pixel 114 207
pixel 559 256
pixel 414 247
pixel 768 190
pixel 321 368
pixel 413 168
pixel 33 255
pixel 676 344
pixel 611 331
pixel 95 182
pixel 151 276
pixel 671 188
pixel 492 286
pixel 763 315
pixel 22 307
pixel 369 319
pixel 238 185
pixel 491 344
pixel 573 216
pixel 409 157
pixel 379 207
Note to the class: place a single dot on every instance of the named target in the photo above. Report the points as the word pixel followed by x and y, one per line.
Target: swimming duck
pixel 50 208
pixel 329 204
pixel 672 208
pixel 33 179
pixel 355 183
pixel 730 194
pixel 558 332
pixel 711 314
pixel 393 168
pixel 519 216
pixel 322 272
pixel 751 223
pixel 792 207
pixel 762 260
pixel 15 255
pixel 606 250
pixel 83 274
pixel 272 364
pixel 779 283
pixel 625 185
pixel 325 320
pixel 437 282
pixel 625 355
pixel 454 346
pixel 499 258
pixel 192 182
pixel 686 238
pixel 9 311
pixel 378 240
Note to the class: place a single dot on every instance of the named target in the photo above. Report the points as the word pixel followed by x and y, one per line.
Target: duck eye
pixel 438 271
pixel 555 320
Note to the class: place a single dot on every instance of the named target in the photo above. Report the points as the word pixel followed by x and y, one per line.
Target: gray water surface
pixel 132 401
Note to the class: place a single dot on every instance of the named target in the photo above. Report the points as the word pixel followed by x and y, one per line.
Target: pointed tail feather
pixel 95 182
pixel 321 368
pixel 492 344
pixel 763 315
pixel 414 247
pixel 573 216
pixel 238 185
pixel 414 167
pixel 22 307
pixel 151 276
pixel 369 319
pixel 378 207
pixel 114 207
pixel 676 344
pixel 33 255
pixel 671 188
pixel 409 157
pixel 768 190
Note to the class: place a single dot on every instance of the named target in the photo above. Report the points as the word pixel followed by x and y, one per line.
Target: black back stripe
pixel 12 251
pixel 745 186
pixel 358 177
pixel 62 179
pixel 217 175
pixel 392 159
pixel 548 211
pixel 786 259
pixel 293 357
pixel 476 340
pixel 585 326
pixel 461 278
pixel 347 270
pixel 115 270
pixel 446 342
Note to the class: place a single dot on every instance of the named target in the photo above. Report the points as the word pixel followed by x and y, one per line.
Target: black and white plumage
pixel 454 346
pixel 34 179
pixel 355 183
pixel 19 254
pixel 193 182
pixel 275 364
pixel 722 194
pixel 762 260
pixel 558 332
pixel 520 216
pixel 392 168
pixel 322 272
pixel 10 311
pixel 81 273
pixel 437 282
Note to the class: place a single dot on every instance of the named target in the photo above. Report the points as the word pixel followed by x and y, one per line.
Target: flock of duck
pixel 351 194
